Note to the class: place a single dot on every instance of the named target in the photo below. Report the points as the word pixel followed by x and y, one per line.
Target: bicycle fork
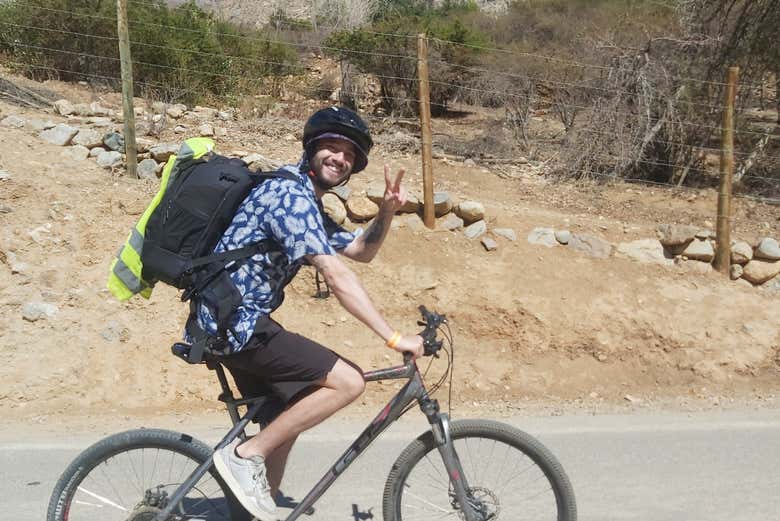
pixel 440 427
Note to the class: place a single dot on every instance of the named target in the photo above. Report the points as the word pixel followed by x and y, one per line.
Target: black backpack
pixel 195 209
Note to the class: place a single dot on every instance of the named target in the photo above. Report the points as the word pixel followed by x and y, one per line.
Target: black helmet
pixel 339 123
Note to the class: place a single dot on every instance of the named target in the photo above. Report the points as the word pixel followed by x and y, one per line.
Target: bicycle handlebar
pixel 432 321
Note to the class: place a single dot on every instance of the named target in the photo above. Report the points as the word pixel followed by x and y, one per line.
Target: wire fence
pixel 533 125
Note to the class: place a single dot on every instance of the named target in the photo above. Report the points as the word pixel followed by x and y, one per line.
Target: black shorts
pixel 282 365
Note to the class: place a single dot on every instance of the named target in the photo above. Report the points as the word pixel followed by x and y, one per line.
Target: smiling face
pixel 332 162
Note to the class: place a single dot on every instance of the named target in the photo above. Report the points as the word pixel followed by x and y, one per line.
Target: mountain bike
pixel 473 470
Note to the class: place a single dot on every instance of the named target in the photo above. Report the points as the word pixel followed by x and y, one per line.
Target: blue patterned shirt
pixel 289 213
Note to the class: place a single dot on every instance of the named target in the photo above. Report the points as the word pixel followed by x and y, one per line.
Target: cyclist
pixel 310 381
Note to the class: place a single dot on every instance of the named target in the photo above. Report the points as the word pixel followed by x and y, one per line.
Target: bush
pixel 388 49
pixel 181 54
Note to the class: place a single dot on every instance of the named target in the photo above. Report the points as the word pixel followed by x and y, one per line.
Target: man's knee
pixel 346 379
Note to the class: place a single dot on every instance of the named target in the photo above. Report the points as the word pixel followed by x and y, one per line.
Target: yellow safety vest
pixel 125 278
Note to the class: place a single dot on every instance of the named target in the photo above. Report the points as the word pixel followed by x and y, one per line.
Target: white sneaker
pixel 247 480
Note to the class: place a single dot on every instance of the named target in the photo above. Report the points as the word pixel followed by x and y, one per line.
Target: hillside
pixel 531 324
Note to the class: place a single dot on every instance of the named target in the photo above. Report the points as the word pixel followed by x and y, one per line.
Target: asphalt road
pixel 713 466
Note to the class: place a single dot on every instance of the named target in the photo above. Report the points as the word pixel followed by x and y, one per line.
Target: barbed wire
pixel 631 180
pixel 116 79
pixel 370 53
pixel 229 35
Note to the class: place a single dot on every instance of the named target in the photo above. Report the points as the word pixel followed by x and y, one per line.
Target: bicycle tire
pixel 121 447
pixel 415 479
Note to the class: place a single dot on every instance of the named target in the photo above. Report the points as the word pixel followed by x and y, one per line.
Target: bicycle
pixel 486 470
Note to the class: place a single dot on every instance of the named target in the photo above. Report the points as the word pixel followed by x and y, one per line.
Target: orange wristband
pixel 393 340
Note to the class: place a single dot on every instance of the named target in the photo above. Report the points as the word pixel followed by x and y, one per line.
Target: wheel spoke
pixel 509 476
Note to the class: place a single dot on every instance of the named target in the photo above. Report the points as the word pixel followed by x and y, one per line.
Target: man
pixel 311 381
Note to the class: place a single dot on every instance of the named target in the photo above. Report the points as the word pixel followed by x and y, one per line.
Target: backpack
pixel 174 240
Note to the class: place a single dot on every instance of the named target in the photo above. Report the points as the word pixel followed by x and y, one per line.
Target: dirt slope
pixel 530 323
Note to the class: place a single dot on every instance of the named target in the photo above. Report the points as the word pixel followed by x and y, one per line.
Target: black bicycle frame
pixel 413 390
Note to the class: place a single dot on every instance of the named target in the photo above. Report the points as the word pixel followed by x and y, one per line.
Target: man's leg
pixel 339 388
pixel 275 464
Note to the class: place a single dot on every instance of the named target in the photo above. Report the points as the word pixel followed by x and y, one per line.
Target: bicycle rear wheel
pixel 131 475
pixel 510 475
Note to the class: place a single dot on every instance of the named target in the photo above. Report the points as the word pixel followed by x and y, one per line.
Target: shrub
pixel 179 54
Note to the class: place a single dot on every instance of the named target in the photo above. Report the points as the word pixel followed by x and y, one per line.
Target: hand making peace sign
pixel 395 194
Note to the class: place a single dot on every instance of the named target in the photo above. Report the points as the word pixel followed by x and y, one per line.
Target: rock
pixel 77 152
pixel 506 233
pixel 705 234
pixel 143 145
pixel 174 111
pixel 543 237
pixel 449 222
pixel 59 135
pixel 590 245
pixel 700 250
pixel 767 249
pixel 99 122
pixel 163 151
pixel 109 159
pixel 147 169
pixel 4 175
pixel 13 262
pixel 37 125
pixel 334 207
pixel 563 236
pixel 33 311
pixel 224 115
pixel 88 137
pixel 114 141
pixel 760 271
pixel 476 229
pixel 772 286
pixel 361 208
pixel 98 110
pixel 376 192
pixel 342 192
pixel 470 211
pixel 64 107
pixel 206 130
pixel 13 121
pixel 648 251
pixel 690 266
pixel 179 129
pixel 258 163
pixel 412 204
pixel 94 152
pixel 442 203
pixel 205 112
pixel 469 163
pixel 488 243
pixel 675 235
pixel 735 271
pixel 220 132
pixel 82 109
pixel 741 252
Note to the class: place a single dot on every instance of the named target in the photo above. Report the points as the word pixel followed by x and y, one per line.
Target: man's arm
pixel 353 297
pixel 365 247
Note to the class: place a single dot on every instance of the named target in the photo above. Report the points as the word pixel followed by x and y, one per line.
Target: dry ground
pixel 531 324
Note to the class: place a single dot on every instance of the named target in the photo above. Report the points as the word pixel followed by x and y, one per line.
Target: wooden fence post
pixel 126 65
pixel 429 215
pixel 722 261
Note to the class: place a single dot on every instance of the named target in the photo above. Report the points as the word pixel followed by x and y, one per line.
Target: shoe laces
pixel 259 477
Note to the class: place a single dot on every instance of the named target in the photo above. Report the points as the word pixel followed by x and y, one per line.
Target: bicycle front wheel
pixel 511 476
pixel 131 475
